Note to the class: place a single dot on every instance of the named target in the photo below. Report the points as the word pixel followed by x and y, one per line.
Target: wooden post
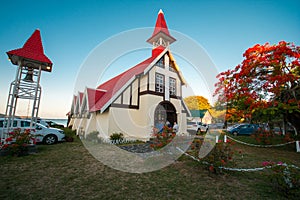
pixel 217 139
pixel 225 138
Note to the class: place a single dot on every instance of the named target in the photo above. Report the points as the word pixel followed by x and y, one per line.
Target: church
pixel 137 100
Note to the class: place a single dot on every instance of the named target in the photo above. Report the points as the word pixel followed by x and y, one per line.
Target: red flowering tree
pixel 265 83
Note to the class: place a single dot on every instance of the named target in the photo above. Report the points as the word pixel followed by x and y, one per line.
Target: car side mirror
pixel 38 128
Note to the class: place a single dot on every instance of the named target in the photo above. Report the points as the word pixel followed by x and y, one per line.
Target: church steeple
pixel 161 35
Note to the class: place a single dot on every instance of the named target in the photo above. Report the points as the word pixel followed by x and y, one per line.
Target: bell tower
pixel 161 35
pixel 31 61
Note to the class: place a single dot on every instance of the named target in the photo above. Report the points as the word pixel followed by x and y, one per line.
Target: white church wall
pixel 75 123
pixel 91 124
pixel 134 97
pixel 134 123
pixel 181 117
pixel 182 123
pixel 126 96
pixel 152 79
pixel 118 100
pixel 143 83
pixel 102 124
pixel 128 122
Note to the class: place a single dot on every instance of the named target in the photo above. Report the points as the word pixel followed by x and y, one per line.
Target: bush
pixel 69 134
pixel 263 137
pixel 92 136
pixel 116 137
pixel 284 178
pixel 220 156
pixel 18 142
pixel 162 139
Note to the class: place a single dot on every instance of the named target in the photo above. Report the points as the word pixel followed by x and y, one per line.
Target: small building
pixel 137 100
pixel 203 116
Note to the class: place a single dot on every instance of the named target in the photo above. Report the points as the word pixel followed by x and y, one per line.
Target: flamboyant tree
pixel 265 83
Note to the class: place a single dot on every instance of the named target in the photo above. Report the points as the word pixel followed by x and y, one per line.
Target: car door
pixel 252 128
pixel 35 132
pixel 191 125
pixel 243 129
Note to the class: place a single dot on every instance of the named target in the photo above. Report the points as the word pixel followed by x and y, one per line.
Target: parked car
pixel 54 124
pixel 41 133
pixel 43 122
pixel 197 126
pixel 242 129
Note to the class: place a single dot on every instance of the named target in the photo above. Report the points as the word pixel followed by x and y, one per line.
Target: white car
pixel 41 132
pixel 197 126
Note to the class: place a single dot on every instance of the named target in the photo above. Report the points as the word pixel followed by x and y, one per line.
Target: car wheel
pixel 50 139
pixel 235 133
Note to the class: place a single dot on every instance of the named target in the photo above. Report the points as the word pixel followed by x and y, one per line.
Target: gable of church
pixel 161 79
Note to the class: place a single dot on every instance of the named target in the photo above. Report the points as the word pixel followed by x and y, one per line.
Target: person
pixel 175 127
pixel 160 126
pixel 168 124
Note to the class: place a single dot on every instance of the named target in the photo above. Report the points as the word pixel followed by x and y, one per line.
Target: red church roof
pixel 33 50
pixel 93 97
pixel 80 97
pixel 113 85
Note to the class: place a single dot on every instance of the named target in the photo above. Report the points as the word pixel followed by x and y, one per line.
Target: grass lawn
pixel 68 171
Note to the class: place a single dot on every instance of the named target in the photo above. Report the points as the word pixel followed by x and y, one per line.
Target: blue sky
pixel 70 30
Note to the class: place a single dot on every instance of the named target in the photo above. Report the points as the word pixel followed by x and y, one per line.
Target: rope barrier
pixel 256 145
pixel 236 169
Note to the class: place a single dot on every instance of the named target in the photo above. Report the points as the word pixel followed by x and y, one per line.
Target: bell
pixel 28 77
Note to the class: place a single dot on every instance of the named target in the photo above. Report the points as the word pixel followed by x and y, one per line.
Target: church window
pixel 161 63
pixel 159 83
pixel 172 86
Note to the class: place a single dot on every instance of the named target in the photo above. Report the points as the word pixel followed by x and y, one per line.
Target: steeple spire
pixel 161 35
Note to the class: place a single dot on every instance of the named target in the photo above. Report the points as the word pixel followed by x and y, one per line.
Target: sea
pixel 59 121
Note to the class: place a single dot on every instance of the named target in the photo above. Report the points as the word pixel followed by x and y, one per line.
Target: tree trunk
pixel 294 119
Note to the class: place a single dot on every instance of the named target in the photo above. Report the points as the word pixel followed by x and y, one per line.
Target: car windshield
pixel 26 123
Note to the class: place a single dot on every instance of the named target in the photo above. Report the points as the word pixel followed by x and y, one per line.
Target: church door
pixel 165 111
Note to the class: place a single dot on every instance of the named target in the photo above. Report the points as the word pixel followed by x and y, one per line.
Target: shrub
pixel 69 133
pixel 116 137
pixel 17 143
pixel 284 178
pixel 288 137
pixel 263 137
pixel 220 156
pixel 195 147
pixel 92 136
pixel 162 139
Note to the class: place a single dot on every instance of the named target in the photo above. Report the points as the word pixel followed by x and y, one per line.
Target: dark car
pixel 242 129
pixel 54 125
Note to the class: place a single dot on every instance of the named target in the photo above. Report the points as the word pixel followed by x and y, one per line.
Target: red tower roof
pixel 161 24
pixel 32 50
pixel 161 29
